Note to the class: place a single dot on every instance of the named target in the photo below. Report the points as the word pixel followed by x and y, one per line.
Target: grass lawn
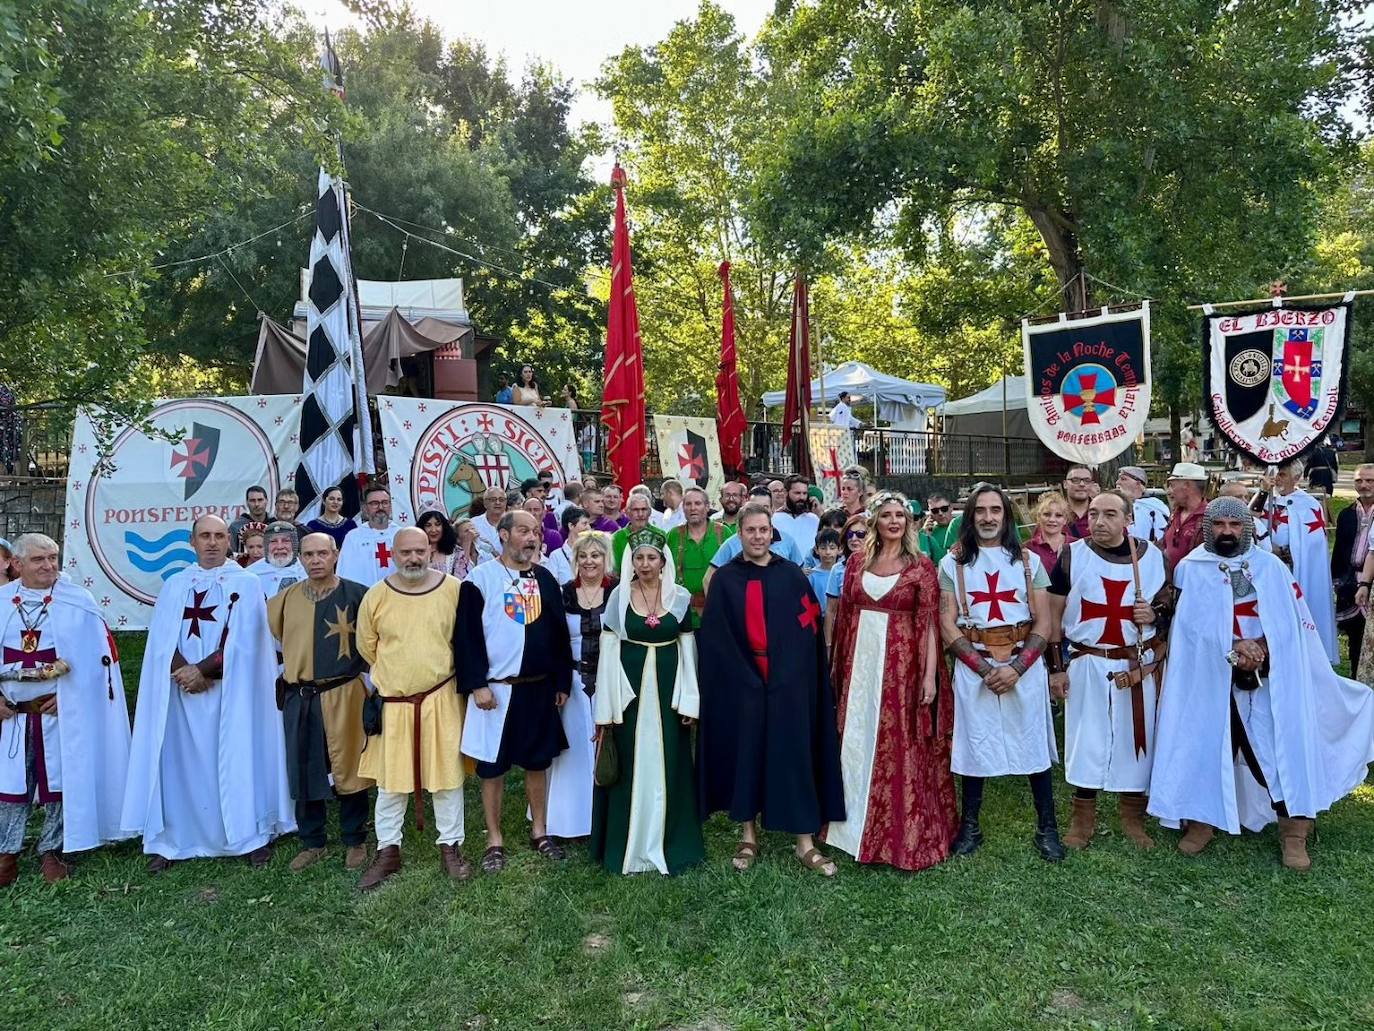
pixel 1113 938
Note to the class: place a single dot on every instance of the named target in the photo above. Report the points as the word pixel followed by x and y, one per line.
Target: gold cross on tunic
pixel 342 628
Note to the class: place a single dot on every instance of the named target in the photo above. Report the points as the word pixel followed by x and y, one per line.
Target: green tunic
pixel 682 842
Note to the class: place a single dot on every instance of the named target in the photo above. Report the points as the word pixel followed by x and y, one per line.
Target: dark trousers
pixel 353 810
pixel 1353 628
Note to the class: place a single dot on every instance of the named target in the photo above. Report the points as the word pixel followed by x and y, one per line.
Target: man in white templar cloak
pixel 280 566
pixel 1109 609
pixel 1297 534
pixel 207 770
pixel 64 722
pixel 365 557
pixel 1253 722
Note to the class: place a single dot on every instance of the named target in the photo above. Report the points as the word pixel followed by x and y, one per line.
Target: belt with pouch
pixel 998 643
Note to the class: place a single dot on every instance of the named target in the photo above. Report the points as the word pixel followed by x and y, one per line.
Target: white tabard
pixel 1297 522
pixel 207 773
pixel 85 747
pixel 366 557
pixel 275 579
pixel 996 736
pixel 1312 731
pixel 1100 750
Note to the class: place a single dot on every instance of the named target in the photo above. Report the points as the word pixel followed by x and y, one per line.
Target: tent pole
pixel 1006 444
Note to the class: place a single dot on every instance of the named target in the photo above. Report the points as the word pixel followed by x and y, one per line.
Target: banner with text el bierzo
pixel 128 523
pixel 1275 378
pixel 1088 382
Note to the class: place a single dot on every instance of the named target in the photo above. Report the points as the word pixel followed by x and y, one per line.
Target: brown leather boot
pixel 1132 812
pixel 9 868
pixel 385 864
pixel 455 863
pixel 1196 838
pixel 1293 833
pixel 54 867
pixel 307 857
pixel 356 857
pixel 1082 823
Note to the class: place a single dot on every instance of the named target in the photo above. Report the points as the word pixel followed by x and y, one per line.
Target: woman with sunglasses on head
pixel 1051 528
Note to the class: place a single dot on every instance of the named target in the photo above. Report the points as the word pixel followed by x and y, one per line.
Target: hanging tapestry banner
pixel 444 454
pixel 1275 379
pixel 1088 383
pixel 689 450
pixel 832 450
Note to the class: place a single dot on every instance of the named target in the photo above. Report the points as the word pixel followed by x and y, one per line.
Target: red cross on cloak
pixel 1278 516
pixel 1245 608
pixel 810 614
pixel 1318 521
pixel 198 611
pixel 383 554
pixel 992 597
pixel 1115 613
pixel 29 655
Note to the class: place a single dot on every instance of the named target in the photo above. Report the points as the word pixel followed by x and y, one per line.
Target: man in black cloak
pixel 767 744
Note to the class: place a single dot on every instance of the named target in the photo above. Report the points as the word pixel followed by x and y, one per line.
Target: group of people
pixel 823 674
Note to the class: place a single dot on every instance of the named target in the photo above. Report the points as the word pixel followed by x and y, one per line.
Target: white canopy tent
pixel 900 403
pixel 981 413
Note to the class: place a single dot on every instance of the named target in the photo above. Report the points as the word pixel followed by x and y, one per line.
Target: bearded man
pixel 279 566
pixel 796 518
pixel 732 497
pixel 366 555
pixel 1254 725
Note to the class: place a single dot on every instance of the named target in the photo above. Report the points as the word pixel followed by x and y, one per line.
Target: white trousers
pixel 391 816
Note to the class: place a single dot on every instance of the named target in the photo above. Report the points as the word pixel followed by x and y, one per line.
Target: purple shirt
pixel 553 540
pixel 606 525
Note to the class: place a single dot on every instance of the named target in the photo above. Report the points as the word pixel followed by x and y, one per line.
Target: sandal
pixel 745 855
pixel 494 859
pixel 813 860
pixel 548 848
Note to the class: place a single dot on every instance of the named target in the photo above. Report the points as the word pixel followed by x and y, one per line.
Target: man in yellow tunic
pixel 320 694
pixel 406 631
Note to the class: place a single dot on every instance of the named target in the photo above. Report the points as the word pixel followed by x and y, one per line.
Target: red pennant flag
pixel 798 406
pixel 622 399
pixel 730 421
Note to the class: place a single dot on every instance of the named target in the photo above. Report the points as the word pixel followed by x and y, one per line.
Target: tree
pixel 1176 149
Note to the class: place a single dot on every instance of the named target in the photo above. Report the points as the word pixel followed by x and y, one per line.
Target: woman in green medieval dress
pixel 645 704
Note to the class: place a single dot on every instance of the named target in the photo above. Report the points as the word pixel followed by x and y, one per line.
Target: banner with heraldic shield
pixel 1275 378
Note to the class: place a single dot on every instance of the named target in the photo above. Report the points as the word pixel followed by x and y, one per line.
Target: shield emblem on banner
pixel 692 460
pixel 1248 361
pixel 195 456
pixel 1297 370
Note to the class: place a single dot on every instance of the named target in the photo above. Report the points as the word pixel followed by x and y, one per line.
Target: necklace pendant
pixel 652 619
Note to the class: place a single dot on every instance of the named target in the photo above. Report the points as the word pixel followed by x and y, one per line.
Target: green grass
pixel 1113 938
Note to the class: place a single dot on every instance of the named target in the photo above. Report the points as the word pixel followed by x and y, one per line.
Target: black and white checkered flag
pixel 336 432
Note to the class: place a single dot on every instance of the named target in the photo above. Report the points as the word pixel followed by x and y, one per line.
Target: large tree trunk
pixel 1062 244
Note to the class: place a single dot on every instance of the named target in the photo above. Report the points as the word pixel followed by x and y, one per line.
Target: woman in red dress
pixel 895 703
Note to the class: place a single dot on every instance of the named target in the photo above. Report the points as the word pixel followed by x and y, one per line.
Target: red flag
pixel 798 406
pixel 730 421
pixel 622 399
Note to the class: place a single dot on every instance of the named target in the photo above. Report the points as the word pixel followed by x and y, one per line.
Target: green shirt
pixel 937 542
pixel 693 558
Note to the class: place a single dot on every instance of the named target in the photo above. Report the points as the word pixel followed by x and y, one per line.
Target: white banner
pixel 832 451
pixel 128 522
pixel 1088 382
pixel 444 454
pixel 1275 379
pixel 689 451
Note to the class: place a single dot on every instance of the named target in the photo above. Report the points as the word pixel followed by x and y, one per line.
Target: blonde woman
pixel 465 555
pixel 893 699
pixel 1051 516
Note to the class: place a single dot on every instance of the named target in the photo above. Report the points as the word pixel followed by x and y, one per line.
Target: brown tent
pixel 279 364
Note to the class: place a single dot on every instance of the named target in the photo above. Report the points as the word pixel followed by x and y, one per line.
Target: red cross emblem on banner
pixel 485 422
pixel 833 472
pixel 1297 370
pixel 383 554
pixel 494 469
pixel 28 654
pixel 992 597
pixel 1115 613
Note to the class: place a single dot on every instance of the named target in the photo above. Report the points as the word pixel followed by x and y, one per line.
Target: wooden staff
pixel 1139 597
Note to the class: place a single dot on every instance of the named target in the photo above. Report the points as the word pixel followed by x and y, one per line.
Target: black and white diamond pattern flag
pixel 336 432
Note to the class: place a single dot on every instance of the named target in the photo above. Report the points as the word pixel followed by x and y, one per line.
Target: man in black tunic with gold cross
pixel 320 693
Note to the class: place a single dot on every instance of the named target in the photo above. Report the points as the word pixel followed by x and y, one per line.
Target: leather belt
pixel 34 706
pixel 308 689
pixel 1131 679
pixel 416 702
pixel 1154 644
pixel 519 680
pixel 998 642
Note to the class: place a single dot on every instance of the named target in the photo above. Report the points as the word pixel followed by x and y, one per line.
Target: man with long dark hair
pixel 994 617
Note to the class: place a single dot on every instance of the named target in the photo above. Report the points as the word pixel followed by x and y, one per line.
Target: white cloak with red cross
pixel 997 736
pixel 82 753
pixel 1297 522
pixel 1100 747
pixel 366 556
pixel 1321 725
